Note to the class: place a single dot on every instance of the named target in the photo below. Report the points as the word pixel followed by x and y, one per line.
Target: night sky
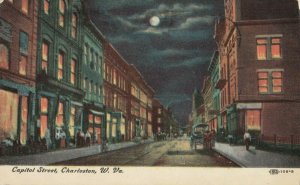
pixel 173 56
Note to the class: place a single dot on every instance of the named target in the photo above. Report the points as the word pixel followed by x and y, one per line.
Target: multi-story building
pixel 214 72
pixel 116 92
pixel 157 116
pixel 18 37
pixel 258 41
pixel 59 96
pixel 208 102
pixel 92 80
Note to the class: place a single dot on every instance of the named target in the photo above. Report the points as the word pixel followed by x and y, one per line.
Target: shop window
pixel 114 128
pixel 60 67
pixel 8 115
pixel 253 119
pixel 44 116
pixel 24 6
pixel 268 48
pixel 60 115
pixel 74 25
pixel 62 11
pixel 46 6
pixel 91 118
pixel 23 43
pixel 24 114
pixel 72 122
pixel 73 71
pixel 270 82
pixel 4 57
pixel 45 56
pixel 98 120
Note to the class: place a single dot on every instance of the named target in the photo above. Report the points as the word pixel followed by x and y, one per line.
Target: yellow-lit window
pixel 74 25
pixel 263 82
pixel 253 119
pixel 3 57
pixel 60 66
pixel 72 121
pixel 46 6
pixel 97 120
pixel 60 115
pixel 277 81
pixel 45 56
pixel 261 49
pixel 73 72
pixel 62 10
pixel 276 48
pixel 44 116
pixel 22 65
pixel 24 114
pixel 24 6
pixel 91 118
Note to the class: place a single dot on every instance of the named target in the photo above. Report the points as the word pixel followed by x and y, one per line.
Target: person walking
pixel 247 139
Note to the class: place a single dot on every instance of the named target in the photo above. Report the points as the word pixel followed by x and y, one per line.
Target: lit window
pixel 62 9
pixel 253 119
pixel 3 56
pixel 276 48
pixel 22 65
pixel 91 118
pixel 261 49
pixel 97 119
pixel 74 25
pixel 23 136
pixel 114 77
pixel 73 71
pixel 45 56
pixel 60 115
pixel 72 122
pixel 46 6
pixel 268 48
pixel 44 116
pixel 270 82
pixel 60 67
pixel 24 4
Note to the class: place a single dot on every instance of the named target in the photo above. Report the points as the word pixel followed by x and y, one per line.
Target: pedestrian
pixel 247 139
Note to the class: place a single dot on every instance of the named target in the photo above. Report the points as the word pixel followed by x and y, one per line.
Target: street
pixel 164 153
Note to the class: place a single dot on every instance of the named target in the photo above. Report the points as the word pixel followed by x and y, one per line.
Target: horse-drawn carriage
pixel 198 134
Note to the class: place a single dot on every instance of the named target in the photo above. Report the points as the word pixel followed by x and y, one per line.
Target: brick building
pixel 18 35
pixel 116 92
pixel 259 46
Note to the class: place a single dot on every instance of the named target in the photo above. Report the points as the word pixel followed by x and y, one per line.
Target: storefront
pixel 16 111
pixel 96 120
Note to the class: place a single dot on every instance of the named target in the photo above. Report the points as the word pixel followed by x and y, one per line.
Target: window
pixel 85 52
pixel 22 65
pixel 60 67
pixel 60 115
pixel 74 25
pixel 73 71
pixel 270 82
pixel 3 56
pixel 46 6
pixel 45 56
pixel 24 6
pixel 253 119
pixel 72 122
pixel 24 114
pixel 23 43
pixel 44 116
pixel 62 10
pixel 158 120
pixel 268 48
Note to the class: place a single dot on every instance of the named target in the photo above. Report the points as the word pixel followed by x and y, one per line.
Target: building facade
pixel 258 68
pixel 18 37
pixel 59 96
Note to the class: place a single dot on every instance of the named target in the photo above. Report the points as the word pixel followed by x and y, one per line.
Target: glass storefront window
pixel 24 115
pixel 97 120
pixel 8 115
pixel 60 115
pixel 253 119
pixel 72 122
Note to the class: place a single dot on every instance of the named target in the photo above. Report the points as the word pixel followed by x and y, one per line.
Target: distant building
pixel 258 42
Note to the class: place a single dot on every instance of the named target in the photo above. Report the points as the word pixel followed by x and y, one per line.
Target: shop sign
pixel 249 106
pixel 5 30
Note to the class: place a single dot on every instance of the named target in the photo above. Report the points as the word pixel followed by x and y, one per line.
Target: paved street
pixel 164 153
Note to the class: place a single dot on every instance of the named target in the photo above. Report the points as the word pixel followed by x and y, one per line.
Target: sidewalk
pixel 257 158
pixel 62 155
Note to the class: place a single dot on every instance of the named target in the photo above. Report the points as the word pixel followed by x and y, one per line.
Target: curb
pixel 230 158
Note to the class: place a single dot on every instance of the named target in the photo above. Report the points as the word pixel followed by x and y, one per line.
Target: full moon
pixel 154 21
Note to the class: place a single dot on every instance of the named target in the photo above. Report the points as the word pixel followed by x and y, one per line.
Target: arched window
pixel 3 56
pixel 74 25
pixel 62 11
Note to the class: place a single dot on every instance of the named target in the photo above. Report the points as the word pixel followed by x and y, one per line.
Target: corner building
pixel 258 42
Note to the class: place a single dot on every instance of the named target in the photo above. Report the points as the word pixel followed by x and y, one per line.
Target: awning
pixel 97 113
pixel 249 106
